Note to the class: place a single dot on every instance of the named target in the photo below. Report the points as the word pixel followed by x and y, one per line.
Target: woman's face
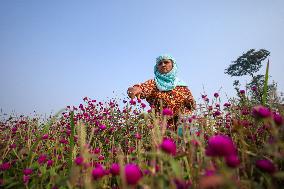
pixel 165 66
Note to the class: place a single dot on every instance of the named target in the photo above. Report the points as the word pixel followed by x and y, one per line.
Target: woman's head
pixel 165 72
pixel 164 64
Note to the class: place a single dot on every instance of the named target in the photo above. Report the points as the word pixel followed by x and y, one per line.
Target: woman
pixel 165 90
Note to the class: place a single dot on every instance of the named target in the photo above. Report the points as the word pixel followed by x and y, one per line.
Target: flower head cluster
pixel 223 146
pixel 261 112
pixel 132 173
pixel 169 146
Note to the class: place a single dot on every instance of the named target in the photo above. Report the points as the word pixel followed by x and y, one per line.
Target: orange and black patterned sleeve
pixel 189 100
pixel 147 88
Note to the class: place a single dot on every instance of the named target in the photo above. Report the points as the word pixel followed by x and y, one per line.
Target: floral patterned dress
pixel 179 100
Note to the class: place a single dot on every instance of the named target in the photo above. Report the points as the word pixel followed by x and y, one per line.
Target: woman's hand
pixel 134 92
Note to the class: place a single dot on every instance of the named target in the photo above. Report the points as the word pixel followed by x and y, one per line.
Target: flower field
pixel 237 144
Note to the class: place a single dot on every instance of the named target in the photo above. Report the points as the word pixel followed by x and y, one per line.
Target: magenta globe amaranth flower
pixel 261 112
pixel 42 159
pixel 216 95
pixel 266 166
pixel 232 161
pixel 242 92
pixel 102 127
pixel 79 160
pixel 26 179
pixel 220 145
pixel 167 112
pixel 132 173
pixel 27 171
pixel 5 166
pixel 44 137
pixel 114 169
pixel 98 172
pixel 49 163
pixel 169 146
pixel 277 119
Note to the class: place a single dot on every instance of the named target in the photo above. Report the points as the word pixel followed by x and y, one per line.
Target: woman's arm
pixel 142 90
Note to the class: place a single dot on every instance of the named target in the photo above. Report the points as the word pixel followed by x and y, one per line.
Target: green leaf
pixel 264 96
pixel 71 139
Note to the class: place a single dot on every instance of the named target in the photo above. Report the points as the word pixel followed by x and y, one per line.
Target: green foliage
pixel 247 64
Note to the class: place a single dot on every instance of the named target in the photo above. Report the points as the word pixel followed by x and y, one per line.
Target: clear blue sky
pixel 54 53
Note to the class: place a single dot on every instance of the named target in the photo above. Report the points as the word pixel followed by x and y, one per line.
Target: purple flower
pixel 132 173
pixel 132 102
pixel 182 184
pixel 5 166
pixel 220 145
pixel 49 163
pixel 261 112
pixel 227 104
pixel 13 145
pixel 216 95
pixel 254 88
pixel 277 119
pixel 216 113
pixel 167 112
pixel 42 159
pixel 44 137
pixel 26 179
pixel 138 136
pixel 79 160
pixel 169 146
pixel 27 171
pixel 242 91
pixel 232 161
pixel 102 127
pixel 98 172
pixel 114 169
pixel 266 166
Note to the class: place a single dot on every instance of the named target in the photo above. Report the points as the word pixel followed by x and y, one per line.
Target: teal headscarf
pixel 168 81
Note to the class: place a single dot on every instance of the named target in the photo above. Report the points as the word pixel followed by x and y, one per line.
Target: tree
pixel 249 64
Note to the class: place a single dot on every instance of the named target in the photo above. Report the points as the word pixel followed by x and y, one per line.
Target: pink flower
pixel 242 91
pixel 167 112
pixel 227 104
pixel 277 119
pixel 13 146
pixel 44 137
pixel 138 136
pixel 266 166
pixel 182 184
pixel 49 163
pixel 5 166
pixel 216 95
pixel 114 170
pixel 101 157
pixel 79 160
pixel 97 150
pixel 132 102
pixel 232 161
pixel 169 146
pixel 26 179
pixel 102 127
pixel 132 173
pixel 63 141
pixel 27 171
pixel 98 172
pixel 261 112
pixel 254 88
pixel 143 105
pixel 220 145
pixel 42 159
